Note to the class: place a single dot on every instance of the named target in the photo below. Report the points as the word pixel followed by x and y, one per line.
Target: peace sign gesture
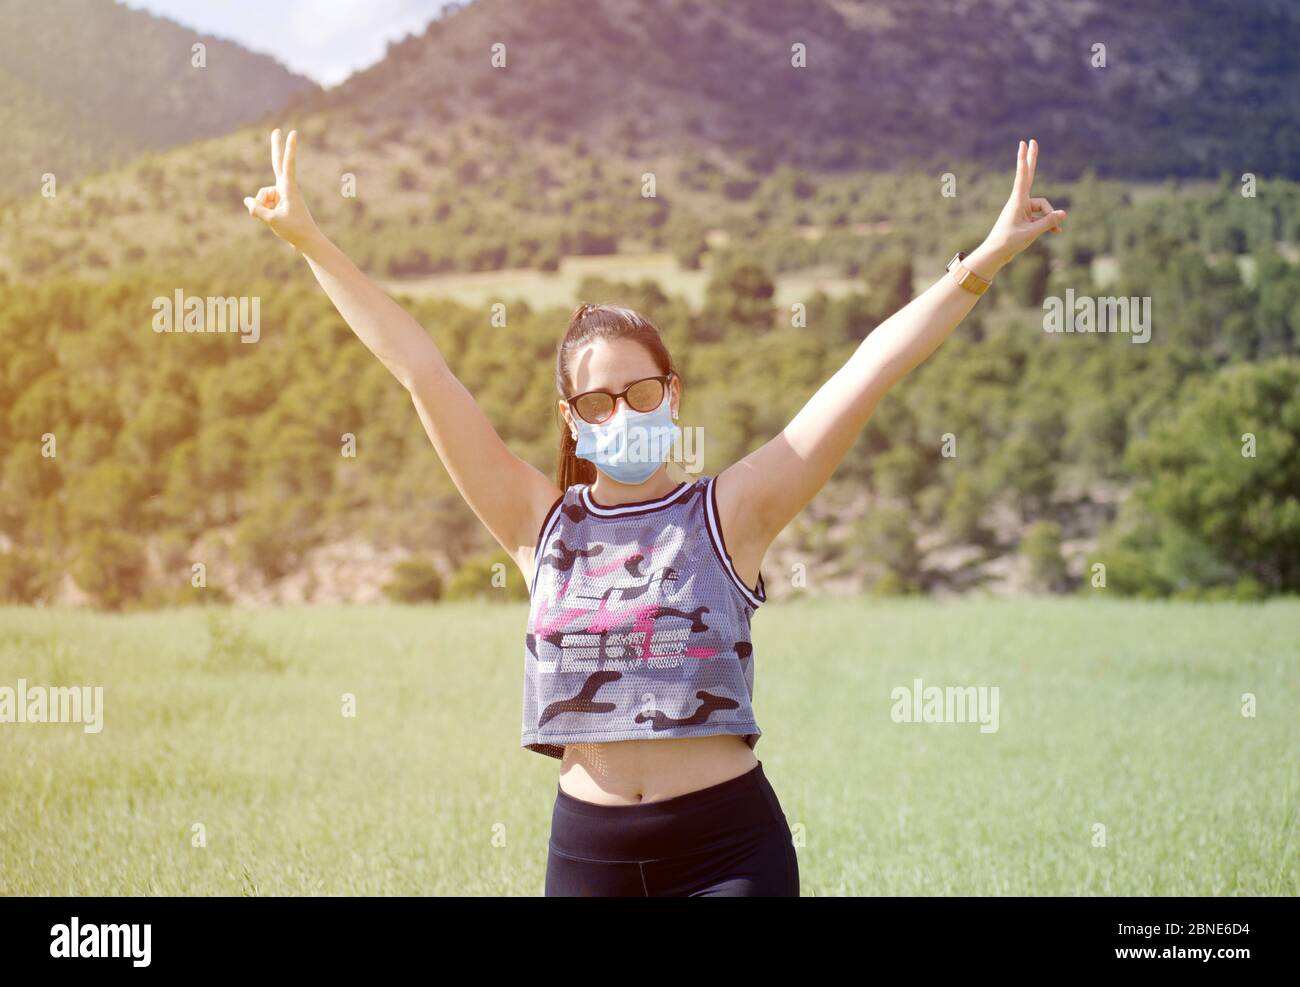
pixel 280 206
pixel 1024 218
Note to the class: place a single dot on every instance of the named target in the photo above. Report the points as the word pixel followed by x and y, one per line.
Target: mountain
pixel 509 135
pixel 1185 89
pixel 85 84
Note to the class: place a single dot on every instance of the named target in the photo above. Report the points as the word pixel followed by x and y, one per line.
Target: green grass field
pixel 1127 715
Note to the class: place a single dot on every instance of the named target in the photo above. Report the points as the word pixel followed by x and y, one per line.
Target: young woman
pixel 638 663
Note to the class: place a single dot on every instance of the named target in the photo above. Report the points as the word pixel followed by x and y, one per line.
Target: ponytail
pixel 569 468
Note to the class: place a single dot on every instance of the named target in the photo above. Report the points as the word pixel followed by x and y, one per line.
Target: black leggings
pixel 730 839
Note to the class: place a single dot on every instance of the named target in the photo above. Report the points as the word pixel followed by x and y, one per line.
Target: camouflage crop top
pixel 639 627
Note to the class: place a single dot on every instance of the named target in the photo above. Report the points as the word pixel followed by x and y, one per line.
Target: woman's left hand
pixel 1024 218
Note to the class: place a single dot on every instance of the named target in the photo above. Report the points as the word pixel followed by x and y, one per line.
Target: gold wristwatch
pixel 965 277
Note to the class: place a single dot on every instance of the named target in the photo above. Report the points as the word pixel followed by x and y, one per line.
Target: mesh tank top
pixel 639 627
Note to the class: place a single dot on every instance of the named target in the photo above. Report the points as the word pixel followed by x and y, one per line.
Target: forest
pixel 145 463
pixel 133 456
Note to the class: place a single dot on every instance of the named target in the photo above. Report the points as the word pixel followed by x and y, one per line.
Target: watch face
pixel 955 258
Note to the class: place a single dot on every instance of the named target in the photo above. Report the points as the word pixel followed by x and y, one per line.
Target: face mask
pixel 631 445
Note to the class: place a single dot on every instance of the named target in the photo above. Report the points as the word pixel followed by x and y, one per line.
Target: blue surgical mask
pixel 631 445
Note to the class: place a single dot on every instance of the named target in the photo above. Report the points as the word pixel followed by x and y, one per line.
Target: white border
pixel 635 508
pixel 556 510
pixel 715 533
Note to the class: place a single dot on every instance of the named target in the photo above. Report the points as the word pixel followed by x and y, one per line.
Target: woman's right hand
pixel 280 206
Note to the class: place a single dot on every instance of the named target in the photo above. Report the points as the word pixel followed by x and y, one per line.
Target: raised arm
pixel 509 495
pixel 762 493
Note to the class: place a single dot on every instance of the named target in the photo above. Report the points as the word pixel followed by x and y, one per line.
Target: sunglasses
pixel 597 407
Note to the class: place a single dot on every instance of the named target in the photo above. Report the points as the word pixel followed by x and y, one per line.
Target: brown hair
pixel 589 322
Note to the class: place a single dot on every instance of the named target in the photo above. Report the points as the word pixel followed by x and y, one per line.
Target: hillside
pixel 85 84
pixel 460 166
pixel 434 166
pixel 887 82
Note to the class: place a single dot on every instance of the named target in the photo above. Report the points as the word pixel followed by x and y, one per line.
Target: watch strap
pixel 965 277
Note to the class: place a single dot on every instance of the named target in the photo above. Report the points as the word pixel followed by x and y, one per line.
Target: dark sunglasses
pixel 595 407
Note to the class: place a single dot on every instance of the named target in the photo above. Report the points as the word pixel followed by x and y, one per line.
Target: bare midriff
pixel 630 772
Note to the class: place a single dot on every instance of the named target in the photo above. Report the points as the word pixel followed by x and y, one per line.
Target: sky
pixel 325 40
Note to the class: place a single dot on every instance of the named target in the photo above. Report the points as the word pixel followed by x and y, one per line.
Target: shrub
pixel 885 536
pixel 413 581
pixel 111 568
pixel 1204 513
pixel 22 578
pixel 492 577
pixel 232 648
pixel 274 537
pixel 1041 548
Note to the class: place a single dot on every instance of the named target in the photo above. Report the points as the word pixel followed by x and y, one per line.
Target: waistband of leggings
pixel 646 830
